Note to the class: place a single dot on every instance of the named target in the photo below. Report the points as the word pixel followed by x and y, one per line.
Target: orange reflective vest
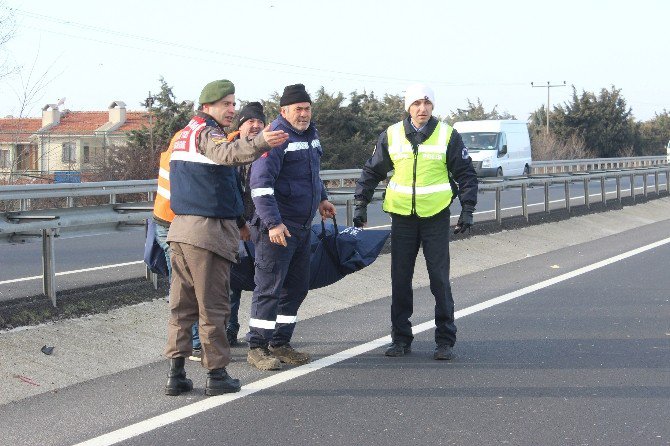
pixel 162 211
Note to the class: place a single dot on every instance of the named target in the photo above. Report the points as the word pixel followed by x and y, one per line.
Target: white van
pixel 497 147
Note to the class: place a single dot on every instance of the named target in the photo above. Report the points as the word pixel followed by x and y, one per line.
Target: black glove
pixel 360 213
pixel 465 221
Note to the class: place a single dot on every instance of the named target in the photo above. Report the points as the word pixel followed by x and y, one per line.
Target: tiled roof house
pixel 64 140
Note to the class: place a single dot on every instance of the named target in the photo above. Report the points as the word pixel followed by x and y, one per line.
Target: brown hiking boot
pixel 262 359
pixel 286 353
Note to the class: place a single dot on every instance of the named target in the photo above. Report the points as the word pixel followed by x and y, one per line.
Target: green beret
pixel 216 90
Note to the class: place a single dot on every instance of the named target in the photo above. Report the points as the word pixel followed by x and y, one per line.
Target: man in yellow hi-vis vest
pixel 431 165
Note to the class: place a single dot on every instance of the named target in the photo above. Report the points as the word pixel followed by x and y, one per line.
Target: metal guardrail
pixel 560 166
pixel 25 193
pixel 20 226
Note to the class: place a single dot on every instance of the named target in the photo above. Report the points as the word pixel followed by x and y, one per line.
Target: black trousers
pixel 408 233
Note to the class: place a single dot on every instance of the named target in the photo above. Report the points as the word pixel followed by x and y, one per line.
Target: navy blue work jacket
pixel 285 182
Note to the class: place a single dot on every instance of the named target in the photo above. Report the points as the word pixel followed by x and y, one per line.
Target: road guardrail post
pixel 566 186
pixel 618 188
pixel 498 205
pixel 350 213
pixel 587 201
pixel 656 182
pixel 603 194
pixel 644 185
pixel 524 200
pixel 546 196
pixel 49 264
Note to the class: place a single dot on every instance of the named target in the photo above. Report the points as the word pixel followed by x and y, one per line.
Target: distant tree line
pixel 586 126
pixel 599 126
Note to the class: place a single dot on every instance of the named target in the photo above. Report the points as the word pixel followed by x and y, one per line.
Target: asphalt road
pixel 575 350
pixel 105 258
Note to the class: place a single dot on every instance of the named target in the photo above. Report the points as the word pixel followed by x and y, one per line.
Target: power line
pixel 386 79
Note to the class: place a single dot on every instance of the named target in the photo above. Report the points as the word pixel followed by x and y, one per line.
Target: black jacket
pixel 459 164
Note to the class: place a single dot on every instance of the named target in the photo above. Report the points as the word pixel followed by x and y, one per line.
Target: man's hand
pixel 245 233
pixel 466 220
pixel 274 138
pixel 278 234
pixel 327 209
pixel 360 213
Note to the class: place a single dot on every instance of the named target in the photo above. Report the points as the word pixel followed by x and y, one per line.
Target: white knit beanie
pixel 418 91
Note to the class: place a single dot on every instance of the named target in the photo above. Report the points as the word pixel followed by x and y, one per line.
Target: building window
pixel 4 159
pixel 86 154
pixel 69 154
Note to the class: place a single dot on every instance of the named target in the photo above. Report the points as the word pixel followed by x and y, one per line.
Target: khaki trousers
pixel 199 291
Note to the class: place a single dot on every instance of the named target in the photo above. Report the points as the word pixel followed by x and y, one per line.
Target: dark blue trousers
pixel 282 282
pixel 407 234
pixel 234 322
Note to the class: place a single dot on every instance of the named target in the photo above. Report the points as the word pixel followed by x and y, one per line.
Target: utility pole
pixel 149 103
pixel 548 87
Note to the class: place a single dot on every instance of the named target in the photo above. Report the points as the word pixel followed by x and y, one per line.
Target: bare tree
pixel 29 91
pixel 32 86
pixel 551 147
pixel 7 30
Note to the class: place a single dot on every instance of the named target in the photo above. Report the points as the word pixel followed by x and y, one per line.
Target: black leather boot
pixel 177 381
pixel 220 382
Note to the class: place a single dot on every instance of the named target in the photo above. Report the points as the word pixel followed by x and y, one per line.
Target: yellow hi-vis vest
pixel 420 183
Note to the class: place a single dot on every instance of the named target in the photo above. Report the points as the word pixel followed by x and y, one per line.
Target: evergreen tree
pixel 654 134
pixel 140 157
pixel 476 112
pixel 604 122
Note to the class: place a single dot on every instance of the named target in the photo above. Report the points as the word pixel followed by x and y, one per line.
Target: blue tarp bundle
pixel 338 253
pixel 335 253
pixel 154 256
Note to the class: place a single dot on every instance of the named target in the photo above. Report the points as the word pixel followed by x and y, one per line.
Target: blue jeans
pixel 161 233
pixel 195 336
pixel 233 323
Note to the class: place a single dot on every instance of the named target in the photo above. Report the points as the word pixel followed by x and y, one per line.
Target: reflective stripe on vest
pixel 162 209
pixel 185 147
pixel 427 192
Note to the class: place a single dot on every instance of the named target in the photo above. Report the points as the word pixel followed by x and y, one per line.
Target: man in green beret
pixel 206 199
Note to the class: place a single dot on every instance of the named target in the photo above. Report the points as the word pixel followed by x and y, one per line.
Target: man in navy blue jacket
pixel 287 191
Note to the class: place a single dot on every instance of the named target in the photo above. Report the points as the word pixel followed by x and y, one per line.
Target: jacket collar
pixel 427 129
pixel 211 122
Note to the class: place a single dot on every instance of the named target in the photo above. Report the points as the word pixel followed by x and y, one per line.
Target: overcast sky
pixel 94 53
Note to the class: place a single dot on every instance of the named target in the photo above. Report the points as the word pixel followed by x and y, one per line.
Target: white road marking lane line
pixel 211 402
pixel 65 273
